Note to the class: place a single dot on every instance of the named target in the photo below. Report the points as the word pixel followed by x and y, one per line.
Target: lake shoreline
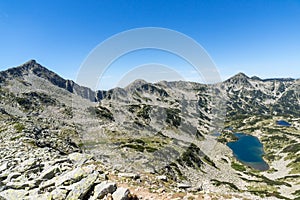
pixel 249 150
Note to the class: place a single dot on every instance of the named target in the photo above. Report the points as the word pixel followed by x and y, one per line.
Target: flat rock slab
pixel 48 173
pixel 183 185
pixel 79 158
pixel 71 176
pixel 103 189
pixel 82 188
pixel 129 175
pixel 121 194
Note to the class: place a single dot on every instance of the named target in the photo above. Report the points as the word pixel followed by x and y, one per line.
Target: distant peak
pixel 139 81
pixel 29 63
pixel 22 70
pixel 32 61
pixel 136 83
pixel 256 78
pixel 241 75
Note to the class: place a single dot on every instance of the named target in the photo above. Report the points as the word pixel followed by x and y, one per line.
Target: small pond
pixel 249 151
pixel 283 123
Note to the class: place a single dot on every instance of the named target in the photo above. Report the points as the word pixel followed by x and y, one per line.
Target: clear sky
pixel 256 37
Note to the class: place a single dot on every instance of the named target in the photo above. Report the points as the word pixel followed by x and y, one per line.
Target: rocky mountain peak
pixel 238 79
pixel 240 76
pixel 256 78
pixel 29 66
pixel 135 84
pixel 30 62
pixel 34 68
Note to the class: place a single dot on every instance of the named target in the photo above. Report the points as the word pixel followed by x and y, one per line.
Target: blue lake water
pixel 282 123
pixel 249 151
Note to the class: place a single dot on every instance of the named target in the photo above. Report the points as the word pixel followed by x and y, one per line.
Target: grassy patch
pixel 67 132
pixel 227 137
pixel 68 111
pixel 19 127
pixel 141 110
pixel 191 157
pixel 238 167
pixel 24 102
pixel 263 193
pixel 173 117
pixel 219 183
pixel 293 148
pixel 100 112
pixel 144 111
pixel 209 161
pixel 150 144
pixel 173 172
pixel 295 166
pixel 296 193
pixel 136 147
pixel 269 181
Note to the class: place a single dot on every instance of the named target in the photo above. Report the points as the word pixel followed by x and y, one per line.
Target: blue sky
pixel 255 37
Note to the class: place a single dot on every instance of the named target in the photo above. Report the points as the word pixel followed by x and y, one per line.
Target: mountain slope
pixel 165 128
pixel 33 68
pixel 262 97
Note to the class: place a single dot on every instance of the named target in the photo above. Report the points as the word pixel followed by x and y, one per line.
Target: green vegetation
pixel 24 102
pixel 231 185
pixel 227 137
pixel 238 167
pixel 43 98
pixel 141 110
pixel 150 149
pixel 297 193
pixel 15 137
pixel 199 135
pixel 35 100
pixel 207 160
pixel 173 117
pixel 295 166
pixel 100 112
pixel 19 127
pixel 133 108
pixel 264 193
pixel 144 111
pixel 68 133
pixel 191 157
pixel 149 144
pixel 68 111
pixel 137 147
pixel 173 172
pixel 269 181
pixel 294 148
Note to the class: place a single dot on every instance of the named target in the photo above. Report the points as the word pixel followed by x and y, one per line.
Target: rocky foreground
pixel 31 169
pixel 29 172
pixel 45 174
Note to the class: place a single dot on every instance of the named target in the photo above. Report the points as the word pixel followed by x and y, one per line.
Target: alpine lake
pixel 249 150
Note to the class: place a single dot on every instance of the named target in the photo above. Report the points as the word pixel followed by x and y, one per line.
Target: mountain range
pixel 165 136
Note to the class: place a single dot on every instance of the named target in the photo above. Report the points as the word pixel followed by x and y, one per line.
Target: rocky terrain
pixel 60 140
